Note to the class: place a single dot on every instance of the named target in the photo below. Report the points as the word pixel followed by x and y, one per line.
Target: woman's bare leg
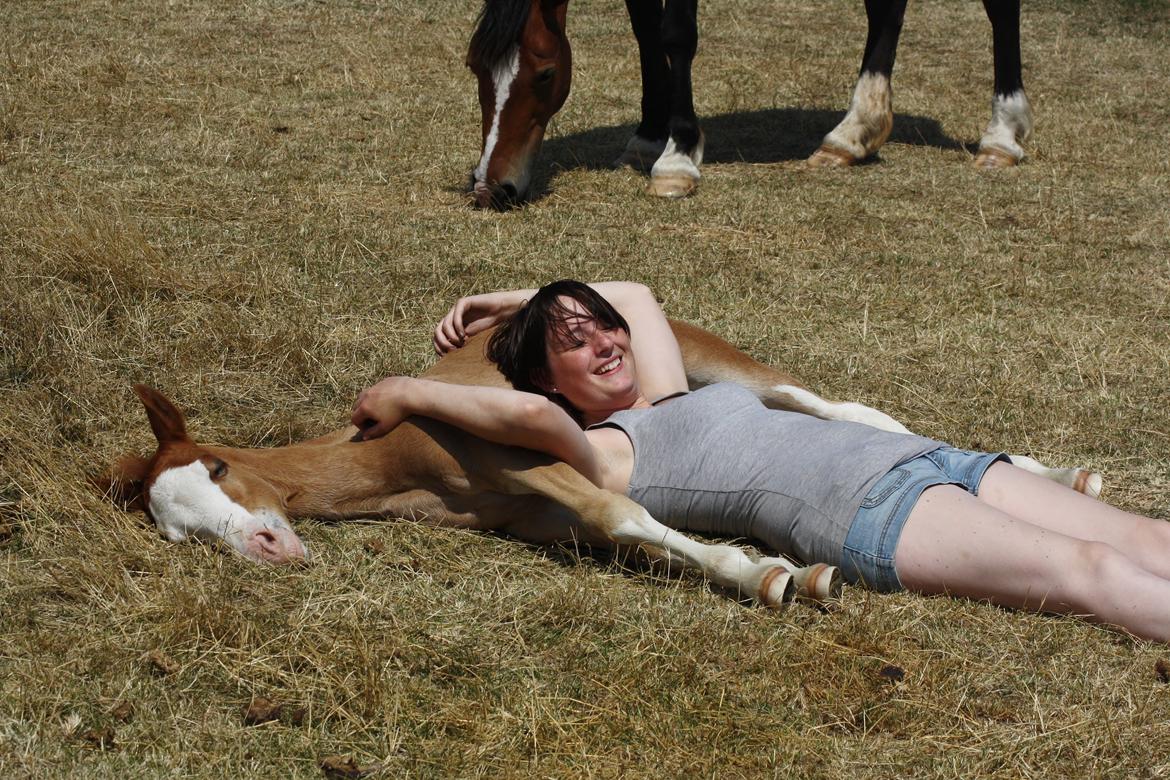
pixel 955 543
pixel 1042 502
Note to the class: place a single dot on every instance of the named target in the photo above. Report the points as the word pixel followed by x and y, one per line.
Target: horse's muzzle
pixel 500 197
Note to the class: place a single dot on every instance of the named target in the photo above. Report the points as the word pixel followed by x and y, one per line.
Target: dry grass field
pixel 257 207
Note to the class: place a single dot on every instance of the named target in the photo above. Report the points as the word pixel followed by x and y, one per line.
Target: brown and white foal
pixel 427 471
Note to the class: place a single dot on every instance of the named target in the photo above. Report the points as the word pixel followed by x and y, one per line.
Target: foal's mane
pixel 497 30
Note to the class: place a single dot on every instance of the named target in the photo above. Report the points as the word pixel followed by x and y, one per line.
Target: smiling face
pixel 591 365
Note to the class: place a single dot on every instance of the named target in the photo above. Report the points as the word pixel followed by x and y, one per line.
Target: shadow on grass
pixel 771 135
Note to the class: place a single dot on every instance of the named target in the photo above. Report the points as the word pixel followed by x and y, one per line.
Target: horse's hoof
pixel 990 157
pixel 672 186
pixel 636 159
pixel 830 157
pixel 1089 483
pixel 640 154
pixel 777 588
pixel 819 582
pixel 630 159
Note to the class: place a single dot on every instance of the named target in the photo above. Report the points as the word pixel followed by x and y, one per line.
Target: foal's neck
pixel 335 479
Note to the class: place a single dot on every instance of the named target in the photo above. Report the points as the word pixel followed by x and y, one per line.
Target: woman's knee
pixel 1098 566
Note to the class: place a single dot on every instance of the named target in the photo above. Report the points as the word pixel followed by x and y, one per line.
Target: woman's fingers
pixel 380 408
pixel 375 430
pixel 450 333
pixel 458 313
pixel 367 421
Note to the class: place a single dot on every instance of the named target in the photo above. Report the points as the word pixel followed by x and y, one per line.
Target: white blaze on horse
pixel 521 57
pixel 430 472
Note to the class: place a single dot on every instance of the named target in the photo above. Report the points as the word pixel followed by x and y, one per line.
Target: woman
pixel 600 384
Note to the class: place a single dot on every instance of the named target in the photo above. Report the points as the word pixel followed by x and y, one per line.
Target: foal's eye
pixel 545 76
pixel 218 469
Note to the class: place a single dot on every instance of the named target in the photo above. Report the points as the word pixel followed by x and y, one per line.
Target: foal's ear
pixel 123 482
pixel 165 418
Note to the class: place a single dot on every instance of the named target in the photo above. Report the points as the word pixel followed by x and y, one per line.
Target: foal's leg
pixel 1011 115
pixel 797 399
pixel 870 118
pixel 616 520
pixel 648 141
pixel 676 173
pixel 956 544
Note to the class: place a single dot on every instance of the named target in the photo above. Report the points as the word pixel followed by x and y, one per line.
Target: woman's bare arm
pixel 659 359
pixel 504 416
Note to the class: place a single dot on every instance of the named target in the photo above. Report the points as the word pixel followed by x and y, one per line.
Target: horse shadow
pixel 772 135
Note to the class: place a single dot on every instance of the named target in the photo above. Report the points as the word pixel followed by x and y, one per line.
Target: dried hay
pixel 256 208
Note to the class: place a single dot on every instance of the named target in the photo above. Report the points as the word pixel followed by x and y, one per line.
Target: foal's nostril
pixel 510 193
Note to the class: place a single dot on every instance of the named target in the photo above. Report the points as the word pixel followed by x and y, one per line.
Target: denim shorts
pixel 868 555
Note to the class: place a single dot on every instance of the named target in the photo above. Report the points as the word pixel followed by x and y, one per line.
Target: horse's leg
pixel 648 141
pixel 801 400
pixel 554 523
pixel 709 359
pixel 676 173
pixel 1011 114
pixel 616 520
pixel 870 118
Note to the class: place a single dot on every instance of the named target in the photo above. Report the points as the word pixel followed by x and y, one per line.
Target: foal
pixel 427 471
pixel 521 57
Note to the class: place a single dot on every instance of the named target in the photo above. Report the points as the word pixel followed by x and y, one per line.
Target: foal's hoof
pixel 990 157
pixel 818 582
pixel 672 186
pixel 830 157
pixel 1088 482
pixel 777 588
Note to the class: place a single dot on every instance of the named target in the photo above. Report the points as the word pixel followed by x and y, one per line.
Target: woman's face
pixel 591 366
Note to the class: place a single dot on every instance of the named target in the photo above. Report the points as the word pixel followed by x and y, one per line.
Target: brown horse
pixel 521 57
pixel 430 472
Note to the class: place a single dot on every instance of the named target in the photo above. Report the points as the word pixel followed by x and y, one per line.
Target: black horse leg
pixel 1011 114
pixel 870 118
pixel 676 172
pixel 650 138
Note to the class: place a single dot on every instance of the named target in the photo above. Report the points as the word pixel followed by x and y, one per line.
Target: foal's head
pixel 521 57
pixel 210 494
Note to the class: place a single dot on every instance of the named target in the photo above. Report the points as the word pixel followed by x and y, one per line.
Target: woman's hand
pixel 379 409
pixel 475 314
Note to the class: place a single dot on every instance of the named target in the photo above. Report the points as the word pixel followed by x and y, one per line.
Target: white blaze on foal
pixel 185 501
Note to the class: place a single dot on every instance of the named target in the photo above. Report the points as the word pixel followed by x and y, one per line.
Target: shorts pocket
pixel 885 487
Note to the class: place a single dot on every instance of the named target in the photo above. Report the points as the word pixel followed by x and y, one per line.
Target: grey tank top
pixel 718 461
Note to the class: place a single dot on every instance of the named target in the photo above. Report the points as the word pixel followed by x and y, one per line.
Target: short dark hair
pixel 518 346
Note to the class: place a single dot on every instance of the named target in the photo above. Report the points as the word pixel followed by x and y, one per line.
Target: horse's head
pixel 207 493
pixel 521 57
